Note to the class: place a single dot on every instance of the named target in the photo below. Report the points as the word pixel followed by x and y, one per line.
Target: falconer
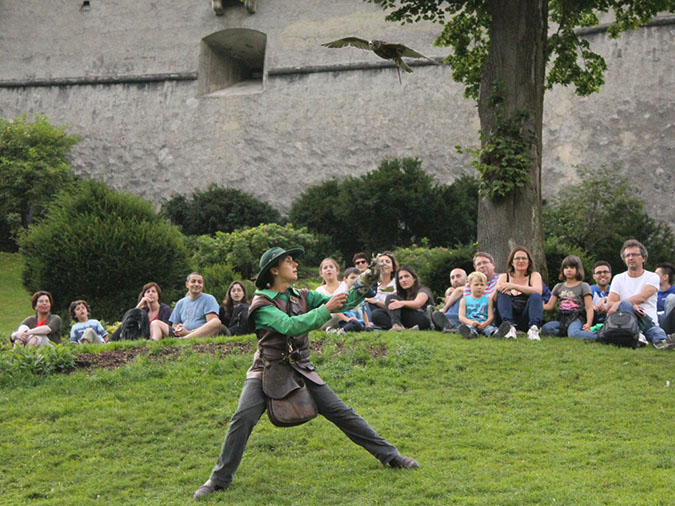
pixel 282 318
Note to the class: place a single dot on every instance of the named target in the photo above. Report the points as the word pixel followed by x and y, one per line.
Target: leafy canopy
pixel 466 29
pixel 34 167
pixel 600 212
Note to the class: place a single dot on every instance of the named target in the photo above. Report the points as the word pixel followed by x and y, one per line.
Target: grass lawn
pixel 490 421
pixel 14 299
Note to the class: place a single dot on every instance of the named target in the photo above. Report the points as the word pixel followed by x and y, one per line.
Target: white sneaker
pixel 511 334
pixel 533 333
pixel 341 332
pixel 332 330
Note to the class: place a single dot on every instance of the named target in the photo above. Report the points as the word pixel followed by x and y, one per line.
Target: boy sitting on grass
pixel 476 311
pixel 355 320
pixel 85 330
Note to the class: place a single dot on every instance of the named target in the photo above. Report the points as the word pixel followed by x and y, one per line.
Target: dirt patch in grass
pixel 117 358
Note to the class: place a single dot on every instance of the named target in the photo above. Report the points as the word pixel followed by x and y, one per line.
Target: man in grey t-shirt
pixel 195 315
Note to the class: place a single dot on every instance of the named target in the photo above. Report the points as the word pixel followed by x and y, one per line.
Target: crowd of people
pixel 483 302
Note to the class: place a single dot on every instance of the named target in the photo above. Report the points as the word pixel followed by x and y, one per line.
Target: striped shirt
pixel 489 289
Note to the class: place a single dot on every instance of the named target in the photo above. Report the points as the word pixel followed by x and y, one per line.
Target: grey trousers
pixel 252 405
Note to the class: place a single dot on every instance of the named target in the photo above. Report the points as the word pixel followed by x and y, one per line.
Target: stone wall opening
pixel 232 62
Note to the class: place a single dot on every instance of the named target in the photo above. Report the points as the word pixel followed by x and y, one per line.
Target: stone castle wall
pixel 125 75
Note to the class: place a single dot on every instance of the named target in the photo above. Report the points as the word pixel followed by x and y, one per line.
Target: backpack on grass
pixel 134 326
pixel 620 329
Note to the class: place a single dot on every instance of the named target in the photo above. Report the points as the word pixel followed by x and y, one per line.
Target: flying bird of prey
pixel 382 49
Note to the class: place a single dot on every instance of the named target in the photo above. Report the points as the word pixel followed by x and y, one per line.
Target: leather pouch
pixel 289 401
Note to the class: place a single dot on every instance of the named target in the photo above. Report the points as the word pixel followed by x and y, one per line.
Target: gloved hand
pixel 367 280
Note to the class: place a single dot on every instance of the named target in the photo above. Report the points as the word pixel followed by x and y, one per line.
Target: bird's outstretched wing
pixel 403 50
pixel 348 41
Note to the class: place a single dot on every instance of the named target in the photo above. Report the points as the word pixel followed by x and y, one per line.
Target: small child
pixel 85 330
pixel 576 303
pixel 476 311
pixel 355 320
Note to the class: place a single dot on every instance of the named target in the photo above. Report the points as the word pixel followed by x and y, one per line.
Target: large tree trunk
pixel 515 61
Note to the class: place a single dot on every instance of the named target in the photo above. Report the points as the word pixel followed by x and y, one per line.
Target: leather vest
pixel 276 347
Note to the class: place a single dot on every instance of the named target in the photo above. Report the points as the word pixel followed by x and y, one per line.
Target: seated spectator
pixel 575 313
pixel 149 308
pixel 482 262
pixel 234 310
pixel 635 291
pixel 330 285
pixel 329 272
pixel 405 309
pixel 457 283
pixel 361 261
pixel 42 328
pixel 602 274
pixel 387 285
pixel 85 330
pixel 665 301
pixel 355 320
pixel 476 311
pixel 519 300
pixel 195 315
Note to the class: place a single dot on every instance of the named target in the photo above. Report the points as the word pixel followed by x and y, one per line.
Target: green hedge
pixel 103 246
pixel 241 250
pixel 218 209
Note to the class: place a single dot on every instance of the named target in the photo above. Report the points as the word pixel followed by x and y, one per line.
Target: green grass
pixel 14 299
pixel 490 421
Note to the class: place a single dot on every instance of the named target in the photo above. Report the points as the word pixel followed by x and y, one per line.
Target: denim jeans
pixel 574 330
pixel 653 333
pixel 252 405
pixel 452 314
pixel 532 314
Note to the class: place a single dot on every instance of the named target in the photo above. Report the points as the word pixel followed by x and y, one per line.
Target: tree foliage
pixel 218 209
pixel 34 167
pixel 600 212
pixel 102 246
pixel 398 204
pixel 466 29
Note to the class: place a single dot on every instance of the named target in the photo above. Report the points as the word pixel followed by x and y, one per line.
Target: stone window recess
pixel 231 62
pixel 219 6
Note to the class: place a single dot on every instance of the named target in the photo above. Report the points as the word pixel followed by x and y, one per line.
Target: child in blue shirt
pixel 85 330
pixel 476 311
pixel 355 320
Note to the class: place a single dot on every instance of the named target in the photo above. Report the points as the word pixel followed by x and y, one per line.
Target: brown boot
pixel 403 462
pixel 207 488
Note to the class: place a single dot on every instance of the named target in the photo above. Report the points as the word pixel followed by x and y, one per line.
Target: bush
pixel 102 246
pixel 241 250
pixel 34 167
pixel 433 265
pixel 218 209
pixel 37 361
pixel 394 206
pixel 599 213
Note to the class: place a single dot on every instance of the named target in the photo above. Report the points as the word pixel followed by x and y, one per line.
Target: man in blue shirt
pixel 665 302
pixel 195 315
pixel 602 274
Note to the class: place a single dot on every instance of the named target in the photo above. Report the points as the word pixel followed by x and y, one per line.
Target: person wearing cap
pixel 282 317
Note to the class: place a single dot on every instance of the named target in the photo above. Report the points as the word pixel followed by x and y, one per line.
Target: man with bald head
pixel 448 317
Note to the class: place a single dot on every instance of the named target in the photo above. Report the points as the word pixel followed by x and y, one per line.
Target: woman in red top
pixel 43 327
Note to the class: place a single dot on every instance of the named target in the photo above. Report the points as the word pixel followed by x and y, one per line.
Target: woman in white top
pixel 329 271
pixel 387 285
